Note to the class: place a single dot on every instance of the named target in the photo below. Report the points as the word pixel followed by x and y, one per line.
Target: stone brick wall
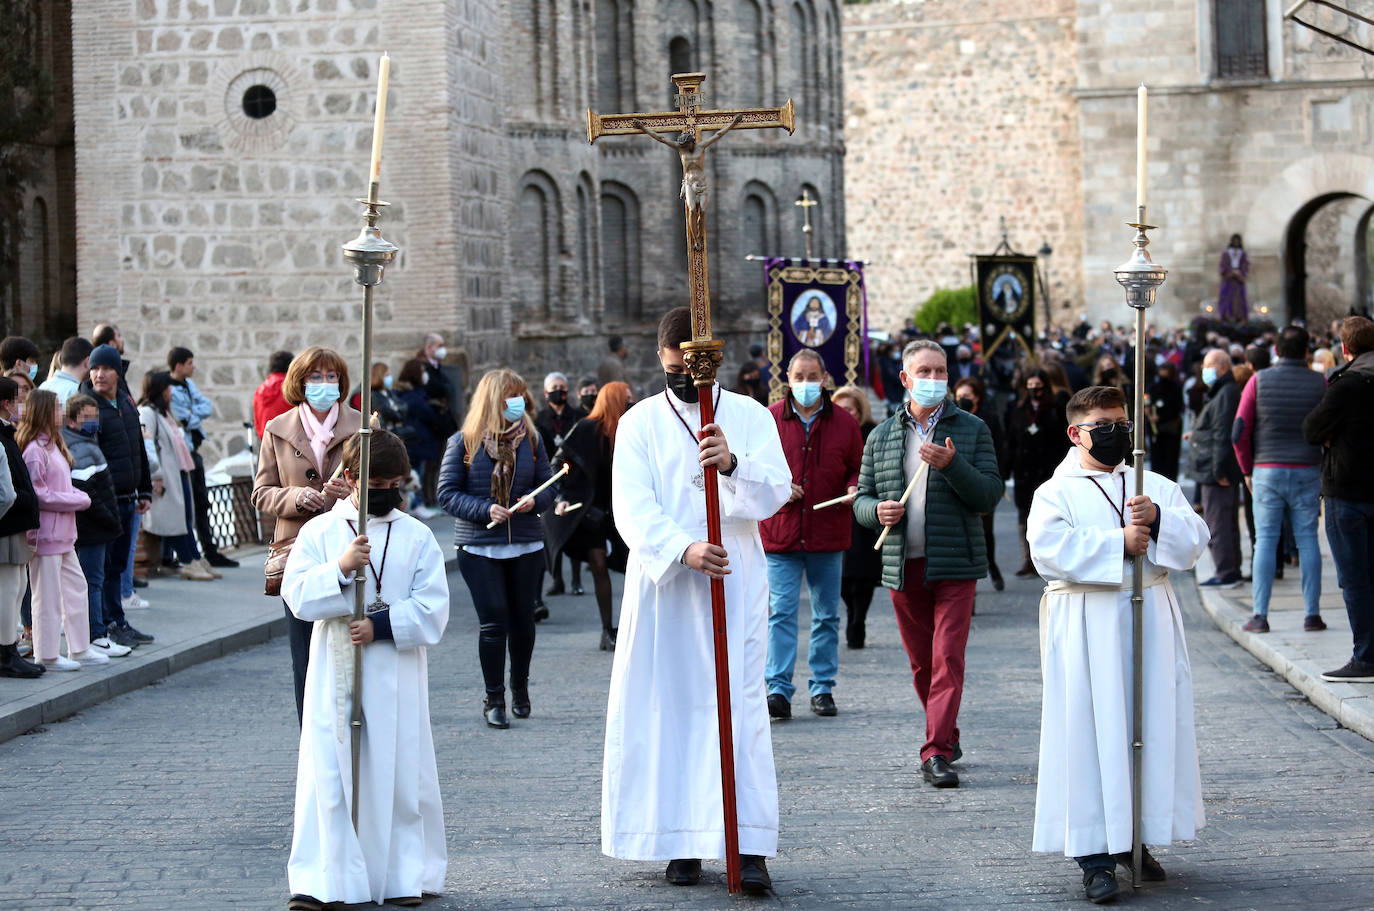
pixel 958 115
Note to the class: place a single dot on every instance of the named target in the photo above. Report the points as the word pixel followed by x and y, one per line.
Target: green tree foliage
pixel 955 306
pixel 26 109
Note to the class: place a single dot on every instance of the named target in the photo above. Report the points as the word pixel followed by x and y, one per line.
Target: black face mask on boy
pixel 683 386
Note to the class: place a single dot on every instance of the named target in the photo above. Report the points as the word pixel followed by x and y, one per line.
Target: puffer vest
pixel 1286 393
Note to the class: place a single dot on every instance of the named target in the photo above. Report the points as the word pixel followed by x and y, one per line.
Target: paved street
pixel 179 795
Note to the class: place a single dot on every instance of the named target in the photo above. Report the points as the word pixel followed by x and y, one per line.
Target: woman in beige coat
pixel 170 515
pixel 295 481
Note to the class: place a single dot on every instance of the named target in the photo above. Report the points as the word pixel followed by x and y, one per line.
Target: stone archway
pixel 1279 218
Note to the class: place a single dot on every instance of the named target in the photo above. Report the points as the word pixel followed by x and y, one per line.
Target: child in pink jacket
pixel 59 586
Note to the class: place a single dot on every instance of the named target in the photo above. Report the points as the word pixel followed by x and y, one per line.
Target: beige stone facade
pixel 1259 155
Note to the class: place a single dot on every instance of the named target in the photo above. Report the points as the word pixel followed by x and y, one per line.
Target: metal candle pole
pixel 1141 277
pixel 369 255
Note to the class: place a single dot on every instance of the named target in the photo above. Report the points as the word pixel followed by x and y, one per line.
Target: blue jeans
pixel 1350 531
pixel 823 573
pixel 92 560
pixel 126 575
pixel 1299 491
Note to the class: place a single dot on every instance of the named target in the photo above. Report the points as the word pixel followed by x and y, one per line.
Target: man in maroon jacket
pixel 824 449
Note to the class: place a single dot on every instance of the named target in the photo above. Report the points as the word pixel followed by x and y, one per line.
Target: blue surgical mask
pixel 90 428
pixel 1209 376
pixel 806 393
pixel 321 396
pixel 515 408
pixel 929 392
pixel 33 371
pixel 386 381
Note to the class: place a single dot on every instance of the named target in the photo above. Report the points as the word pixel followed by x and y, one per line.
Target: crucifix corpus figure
pixel 662 799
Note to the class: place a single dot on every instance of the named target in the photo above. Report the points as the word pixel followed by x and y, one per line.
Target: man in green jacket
pixel 934 554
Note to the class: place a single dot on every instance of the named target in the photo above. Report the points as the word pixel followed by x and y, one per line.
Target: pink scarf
pixel 184 460
pixel 320 433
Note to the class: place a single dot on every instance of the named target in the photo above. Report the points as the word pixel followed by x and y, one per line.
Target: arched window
pixel 544 55
pixel 759 221
pixel 608 56
pixel 587 258
pixel 620 255
pixel 801 50
pixel 679 61
pixel 749 48
pixel 43 241
pixel 536 255
pixel 829 90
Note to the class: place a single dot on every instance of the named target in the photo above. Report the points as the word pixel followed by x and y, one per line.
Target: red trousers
pixel 933 618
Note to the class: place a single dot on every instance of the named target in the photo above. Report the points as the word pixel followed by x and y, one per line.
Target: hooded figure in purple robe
pixel 1233 306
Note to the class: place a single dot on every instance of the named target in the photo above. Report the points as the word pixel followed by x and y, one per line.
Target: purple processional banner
pixel 818 304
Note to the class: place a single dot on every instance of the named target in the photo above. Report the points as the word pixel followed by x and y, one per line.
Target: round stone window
pixel 259 101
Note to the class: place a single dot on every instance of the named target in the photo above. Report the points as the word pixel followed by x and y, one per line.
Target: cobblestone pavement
pixel 179 795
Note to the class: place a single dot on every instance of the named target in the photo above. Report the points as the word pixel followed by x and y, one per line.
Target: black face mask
pixel 683 386
pixel 558 397
pixel 382 500
pixel 1109 446
pixel 588 400
pixel 1037 393
pixel 965 403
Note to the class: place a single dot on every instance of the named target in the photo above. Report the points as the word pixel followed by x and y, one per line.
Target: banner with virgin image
pixel 818 305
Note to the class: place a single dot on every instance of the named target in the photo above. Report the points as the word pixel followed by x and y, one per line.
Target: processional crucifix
pixel 806 202
pixel 703 354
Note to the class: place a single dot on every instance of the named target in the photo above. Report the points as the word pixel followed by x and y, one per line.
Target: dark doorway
pixel 1294 253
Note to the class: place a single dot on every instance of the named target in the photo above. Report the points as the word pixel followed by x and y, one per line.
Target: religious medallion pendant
pixel 1033 429
pixel 377 606
pixel 699 481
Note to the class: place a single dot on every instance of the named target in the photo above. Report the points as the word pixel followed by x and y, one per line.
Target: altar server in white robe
pixel 661 788
pixel 1084 527
pixel 398 853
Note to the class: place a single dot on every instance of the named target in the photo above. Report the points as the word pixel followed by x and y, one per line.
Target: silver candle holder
pixel 369 254
pixel 1141 277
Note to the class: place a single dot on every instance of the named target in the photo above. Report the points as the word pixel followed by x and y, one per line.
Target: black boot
pixel 11 665
pixel 520 700
pixel 494 710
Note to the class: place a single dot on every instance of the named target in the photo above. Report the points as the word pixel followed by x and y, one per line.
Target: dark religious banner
pixel 1006 302
pixel 821 305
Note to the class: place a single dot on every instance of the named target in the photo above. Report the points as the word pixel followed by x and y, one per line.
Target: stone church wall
pixel 958 115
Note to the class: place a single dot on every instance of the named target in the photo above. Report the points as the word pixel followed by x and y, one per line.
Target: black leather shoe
pixel 936 770
pixel 753 875
pixel 608 640
pixel 301 902
pixel 221 561
pixel 555 589
pixel 1027 569
pixel 685 872
pixel 957 753
pixel 1099 886
pixel 541 611
pixel 11 665
pixel 520 701
pixel 495 713
pixel 1150 870
pixel 577 589
pixel 779 707
pixel 824 705
pixel 998 584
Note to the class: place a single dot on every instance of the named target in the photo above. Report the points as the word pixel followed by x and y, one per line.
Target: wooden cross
pixel 689 122
pixel 806 202
pixel 703 354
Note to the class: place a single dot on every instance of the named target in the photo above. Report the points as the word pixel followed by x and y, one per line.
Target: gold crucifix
pixel 689 122
pixel 806 202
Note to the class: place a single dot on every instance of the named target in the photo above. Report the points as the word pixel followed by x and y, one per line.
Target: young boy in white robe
pixel 661 785
pixel 398 853
pixel 1085 527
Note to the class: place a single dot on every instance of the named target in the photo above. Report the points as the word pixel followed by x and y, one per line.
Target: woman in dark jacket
pixel 423 427
pixel 969 394
pixel 584 532
pixel 863 566
pixel 1036 442
pixel 496 460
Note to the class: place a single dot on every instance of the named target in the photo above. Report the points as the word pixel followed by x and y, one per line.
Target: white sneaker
pixel 134 602
pixel 90 656
pixel 62 664
pixel 108 646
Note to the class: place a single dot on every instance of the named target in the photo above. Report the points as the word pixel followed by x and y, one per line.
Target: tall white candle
pixel 383 78
pixel 1142 100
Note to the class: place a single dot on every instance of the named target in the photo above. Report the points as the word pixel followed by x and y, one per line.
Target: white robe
pixel 1083 799
pixel 399 849
pixel 661 790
